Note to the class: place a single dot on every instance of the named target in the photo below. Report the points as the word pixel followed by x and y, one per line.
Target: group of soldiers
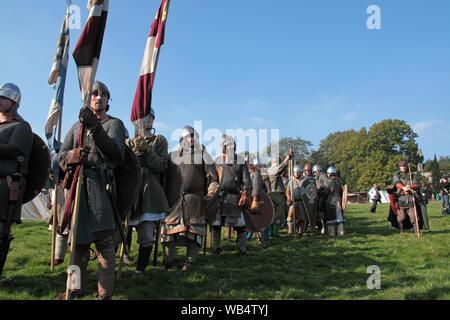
pixel 115 183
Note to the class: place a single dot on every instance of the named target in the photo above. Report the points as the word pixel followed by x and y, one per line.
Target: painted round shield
pixel 279 204
pixel 128 182
pixel 308 193
pixel 262 219
pixel 38 169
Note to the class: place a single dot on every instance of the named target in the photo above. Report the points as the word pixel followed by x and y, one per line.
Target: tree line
pixel 362 157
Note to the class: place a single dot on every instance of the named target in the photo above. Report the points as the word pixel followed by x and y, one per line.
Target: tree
pixel 300 147
pixel 435 176
pixel 363 157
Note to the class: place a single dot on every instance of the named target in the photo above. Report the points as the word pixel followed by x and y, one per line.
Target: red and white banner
pixel 143 96
pixel 88 48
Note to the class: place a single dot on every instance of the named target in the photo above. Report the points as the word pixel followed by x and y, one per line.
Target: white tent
pixel 36 209
pixel 384 196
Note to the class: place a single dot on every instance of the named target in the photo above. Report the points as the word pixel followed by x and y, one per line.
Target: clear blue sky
pixel 307 68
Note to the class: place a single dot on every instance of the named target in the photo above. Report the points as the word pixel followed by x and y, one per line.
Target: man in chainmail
pixel 234 192
pixel 152 153
pixel 191 175
pixel 16 138
pixel 102 151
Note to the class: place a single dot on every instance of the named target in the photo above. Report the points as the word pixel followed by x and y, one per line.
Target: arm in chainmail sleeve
pixel 158 158
pixel 111 144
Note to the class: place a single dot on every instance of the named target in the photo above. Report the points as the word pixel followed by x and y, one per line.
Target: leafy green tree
pixel 300 147
pixel 435 175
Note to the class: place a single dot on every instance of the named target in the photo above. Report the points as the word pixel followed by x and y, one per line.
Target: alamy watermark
pixel 374 20
pixel 374 281
pixel 74 17
pixel 250 140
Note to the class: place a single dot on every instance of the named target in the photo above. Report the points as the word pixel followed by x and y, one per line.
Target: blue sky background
pixel 307 68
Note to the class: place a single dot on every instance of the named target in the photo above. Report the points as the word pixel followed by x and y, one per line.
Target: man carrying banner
pixel 16 140
pixel 233 194
pixel 103 151
pixel 190 177
pixel 152 205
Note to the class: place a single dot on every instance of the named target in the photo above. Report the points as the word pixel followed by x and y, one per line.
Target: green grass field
pixel 315 267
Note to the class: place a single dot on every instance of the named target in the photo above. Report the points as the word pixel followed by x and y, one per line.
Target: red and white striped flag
pixel 143 96
pixel 88 48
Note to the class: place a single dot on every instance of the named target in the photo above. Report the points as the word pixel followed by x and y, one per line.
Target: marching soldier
pixel 190 177
pixel 234 192
pixel 16 138
pixel 333 207
pixel 103 151
pixel 152 152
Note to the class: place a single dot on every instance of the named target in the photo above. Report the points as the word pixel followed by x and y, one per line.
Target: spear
pixel 86 56
pixel 291 182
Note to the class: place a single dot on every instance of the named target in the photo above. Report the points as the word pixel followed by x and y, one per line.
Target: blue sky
pixel 307 68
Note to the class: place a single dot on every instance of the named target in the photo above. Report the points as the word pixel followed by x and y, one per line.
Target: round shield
pixel 279 204
pixel 308 193
pixel 128 182
pixel 263 219
pixel 38 169
pixel 344 199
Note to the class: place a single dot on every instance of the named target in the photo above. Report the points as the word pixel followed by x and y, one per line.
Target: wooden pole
pixel 122 249
pixel 74 227
pixel 414 201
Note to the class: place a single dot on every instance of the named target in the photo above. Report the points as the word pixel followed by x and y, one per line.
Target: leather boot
pixel 143 258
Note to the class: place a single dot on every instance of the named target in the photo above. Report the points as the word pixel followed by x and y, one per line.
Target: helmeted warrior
pixel 405 197
pixel 333 207
pixel 102 151
pixel 276 185
pixel 297 216
pixel 16 139
pixel 307 170
pixel 234 192
pixel 320 177
pixel 191 175
pixel 152 205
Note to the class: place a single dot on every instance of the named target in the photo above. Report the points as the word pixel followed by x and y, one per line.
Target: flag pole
pixel 56 178
pixel 414 201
